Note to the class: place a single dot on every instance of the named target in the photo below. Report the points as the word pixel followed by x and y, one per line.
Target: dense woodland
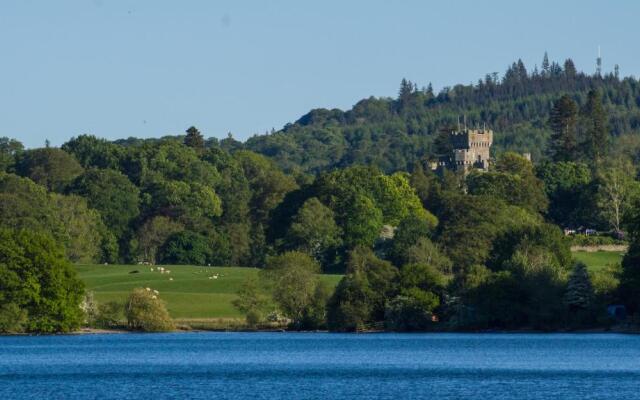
pixel 351 192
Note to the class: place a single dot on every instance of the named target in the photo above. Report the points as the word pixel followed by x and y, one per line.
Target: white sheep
pixel 170 279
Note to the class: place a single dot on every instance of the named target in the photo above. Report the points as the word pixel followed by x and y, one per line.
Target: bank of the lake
pixel 319 365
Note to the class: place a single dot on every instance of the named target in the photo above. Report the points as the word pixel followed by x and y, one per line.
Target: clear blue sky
pixel 149 68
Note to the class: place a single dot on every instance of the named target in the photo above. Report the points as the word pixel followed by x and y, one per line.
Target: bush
pixel 595 240
pixel 109 315
pixel 146 312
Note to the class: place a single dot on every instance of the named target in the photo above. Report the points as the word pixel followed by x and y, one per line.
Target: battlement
pixel 472 138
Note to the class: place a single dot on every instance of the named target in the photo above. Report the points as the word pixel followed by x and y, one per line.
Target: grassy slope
pixel 191 294
pixel 598 259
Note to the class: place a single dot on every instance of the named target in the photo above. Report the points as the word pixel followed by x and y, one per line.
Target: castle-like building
pixel 471 149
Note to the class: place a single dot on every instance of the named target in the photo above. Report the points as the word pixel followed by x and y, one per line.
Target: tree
pixel 83 228
pixel 361 221
pixel 296 288
pixel 153 234
pixel 314 231
pixel 596 135
pixel 39 289
pixel 112 194
pixel 563 121
pixel 361 295
pixel 92 152
pixel 250 301
pixel 545 64
pixel 579 295
pixel 425 252
pixel 9 150
pixel 194 139
pixel 630 277
pixel 570 69
pixel 513 181
pixel 409 232
pixel 567 185
pixel 421 287
pixel 146 312
pixel 49 167
pixel 616 192
pixel 186 248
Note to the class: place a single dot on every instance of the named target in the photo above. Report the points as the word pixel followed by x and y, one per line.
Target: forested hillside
pixel 394 133
pixel 350 192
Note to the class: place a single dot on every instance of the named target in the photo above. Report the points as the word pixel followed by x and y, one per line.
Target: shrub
pixel 146 312
pixel 109 315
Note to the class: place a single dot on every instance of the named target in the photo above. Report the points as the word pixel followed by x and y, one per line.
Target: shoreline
pixel 99 331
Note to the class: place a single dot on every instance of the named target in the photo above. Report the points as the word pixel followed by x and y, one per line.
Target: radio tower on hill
pixel 599 63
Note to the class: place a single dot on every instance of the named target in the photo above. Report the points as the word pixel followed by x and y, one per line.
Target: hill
pixel 394 133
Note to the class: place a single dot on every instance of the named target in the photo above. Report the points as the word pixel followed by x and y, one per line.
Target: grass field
pixel 190 295
pixel 598 259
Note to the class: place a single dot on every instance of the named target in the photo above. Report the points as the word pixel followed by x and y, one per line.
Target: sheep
pixel 170 279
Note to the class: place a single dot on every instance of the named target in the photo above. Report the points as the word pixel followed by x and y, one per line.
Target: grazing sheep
pixel 170 279
pixel 148 289
pixel 156 292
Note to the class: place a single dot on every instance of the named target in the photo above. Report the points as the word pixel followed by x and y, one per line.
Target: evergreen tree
pixel 545 64
pixel 569 68
pixel 563 121
pixel 194 139
pixel 579 294
pixel 596 135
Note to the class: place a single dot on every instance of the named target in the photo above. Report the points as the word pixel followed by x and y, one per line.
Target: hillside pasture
pixel 190 292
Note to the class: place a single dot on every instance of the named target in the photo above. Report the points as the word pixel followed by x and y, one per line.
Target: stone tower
pixel 471 148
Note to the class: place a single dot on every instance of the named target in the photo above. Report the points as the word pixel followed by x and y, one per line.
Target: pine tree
pixel 564 116
pixel 545 65
pixel 569 68
pixel 579 294
pixel 405 94
pixel 596 137
pixel 194 139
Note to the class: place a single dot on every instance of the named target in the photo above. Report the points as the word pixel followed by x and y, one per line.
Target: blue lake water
pixel 321 366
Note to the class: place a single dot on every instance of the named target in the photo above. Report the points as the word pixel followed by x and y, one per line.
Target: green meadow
pixel 598 259
pixel 190 292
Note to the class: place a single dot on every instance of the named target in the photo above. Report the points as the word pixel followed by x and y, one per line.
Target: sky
pixel 117 68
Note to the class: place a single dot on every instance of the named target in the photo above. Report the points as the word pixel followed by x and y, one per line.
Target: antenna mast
pixel 599 63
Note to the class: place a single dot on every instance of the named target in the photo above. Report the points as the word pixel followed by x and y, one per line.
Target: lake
pixel 320 366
